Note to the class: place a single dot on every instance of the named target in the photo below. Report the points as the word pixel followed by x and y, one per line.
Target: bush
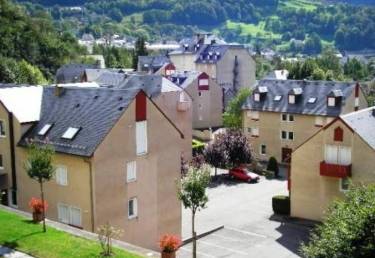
pixel 198 147
pixel 269 174
pixel 281 204
pixel 273 166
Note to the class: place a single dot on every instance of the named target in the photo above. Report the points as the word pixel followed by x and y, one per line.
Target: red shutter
pixel 338 134
pixel 203 81
pixel 140 106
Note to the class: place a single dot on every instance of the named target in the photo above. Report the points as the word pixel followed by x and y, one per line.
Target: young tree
pixel 215 155
pixel 106 233
pixel 192 193
pixel 232 117
pixel 39 167
pixel 349 228
pixel 237 148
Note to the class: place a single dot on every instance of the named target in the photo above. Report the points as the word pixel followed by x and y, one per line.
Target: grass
pixel 308 5
pixel 21 234
pixel 255 30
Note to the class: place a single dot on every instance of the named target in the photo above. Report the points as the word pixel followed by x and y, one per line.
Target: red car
pixel 244 175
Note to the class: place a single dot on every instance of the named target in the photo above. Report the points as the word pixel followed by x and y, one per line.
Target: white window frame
pixel 331 101
pixel 260 149
pixel 203 82
pixel 141 135
pixel 44 129
pixel 256 97
pixel 291 99
pixel 340 185
pixel 131 171
pixel 281 135
pixel 319 121
pixel 342 155
pixel 289 136
pixel 287 117
pixel 255 115
pixel 356 102
pixel 2 127
pixel 61 179
pixel 255 131
pixel 70 133
pixel 135 208
pixel 69 219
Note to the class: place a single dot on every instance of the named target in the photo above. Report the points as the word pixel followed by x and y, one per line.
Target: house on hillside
pixel 207 97
pixel 111 146
pixel 231 66
pixel 322 168
pixel 282 114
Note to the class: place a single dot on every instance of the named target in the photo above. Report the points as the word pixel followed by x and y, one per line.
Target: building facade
pixel 322 168
pixel 281 114
pixel 111 147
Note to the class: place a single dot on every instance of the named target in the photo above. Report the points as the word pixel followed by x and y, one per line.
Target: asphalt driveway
pixel 250 228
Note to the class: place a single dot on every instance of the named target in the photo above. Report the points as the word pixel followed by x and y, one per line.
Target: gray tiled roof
pixel 94 110
pixel 184 79
pixel 310 89
pixel 363 123
pixel 154 62
pixel 110 79
pixel 71 72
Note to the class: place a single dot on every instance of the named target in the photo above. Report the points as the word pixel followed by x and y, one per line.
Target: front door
pixel 4 197
pixel 286 155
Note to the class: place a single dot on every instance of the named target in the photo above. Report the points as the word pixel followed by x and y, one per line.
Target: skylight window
pixel 70 133
pixel 311 100
pixel 45 129
pixel 277 98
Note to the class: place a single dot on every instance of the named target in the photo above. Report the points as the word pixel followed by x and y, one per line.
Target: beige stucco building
pixel 281 114
pixel 322 168
pixel 206 95
pixel 231 66
pixel 111 151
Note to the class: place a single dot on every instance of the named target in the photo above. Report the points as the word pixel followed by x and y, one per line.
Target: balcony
pixel 335 170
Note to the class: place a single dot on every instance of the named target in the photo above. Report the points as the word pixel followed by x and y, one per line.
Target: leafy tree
pixel 39 167
pixel 232 117
pixel 273 166
pixel 237 148
pixel 192 193
pixel 348 231
pixel 30 74
pixel 318 74
pixel 215 154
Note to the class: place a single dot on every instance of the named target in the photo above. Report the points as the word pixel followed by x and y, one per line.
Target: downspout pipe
pixel 88 161
pixel 12 157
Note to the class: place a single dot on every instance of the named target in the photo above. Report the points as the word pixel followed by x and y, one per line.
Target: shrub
pixel 169 243
pixel 269 174
pixel 37 205
pixel 106 233
pixel 281 204
pixel 273 166
pixel 198 147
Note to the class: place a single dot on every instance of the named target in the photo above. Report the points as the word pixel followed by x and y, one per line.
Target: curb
pixel 190 239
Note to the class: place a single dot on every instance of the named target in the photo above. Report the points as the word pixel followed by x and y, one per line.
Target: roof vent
pixel 120 99
pixel 120 108
pixel 96 97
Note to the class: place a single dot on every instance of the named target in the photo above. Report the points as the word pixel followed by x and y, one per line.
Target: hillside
pixel 271 23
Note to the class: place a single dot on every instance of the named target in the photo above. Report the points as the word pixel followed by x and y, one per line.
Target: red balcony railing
pixel 335 170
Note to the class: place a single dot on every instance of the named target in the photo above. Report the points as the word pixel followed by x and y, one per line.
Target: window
pixel 263 149
pixel 291 118
pixel 291 136
pixel 254 115
pixel 277 98
pixel 255 131
pixel 45 129
pixel 356 102
pixel 344 184
pixel 292 99
pixel 131 171
pixel 311 100
pixel 13 198
pixel 257 97
pixel 319 121
pixel 283 135
pixel 2 128
pixel 61 175
pixel 1 162
pixel 338 134
pixel 69 215
pixel 340 155
pixel 249 130
pixel 199 94
pixel 284 117
pixel 331 102
pixel 70 133
pixel 132 208
pixel 200 118
pixel 141 137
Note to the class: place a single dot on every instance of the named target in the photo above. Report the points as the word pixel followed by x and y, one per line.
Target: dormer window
pixel 331 101
pixel 45 129
pixel 260 93
pixel 70 133
pixel 292 99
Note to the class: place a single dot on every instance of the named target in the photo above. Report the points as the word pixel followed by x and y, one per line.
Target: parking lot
pixel 250 228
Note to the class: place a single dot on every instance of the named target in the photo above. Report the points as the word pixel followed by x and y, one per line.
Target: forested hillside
pixel 263 22
pixel 30 48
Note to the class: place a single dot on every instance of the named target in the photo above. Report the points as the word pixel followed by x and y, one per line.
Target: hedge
pixel 281 204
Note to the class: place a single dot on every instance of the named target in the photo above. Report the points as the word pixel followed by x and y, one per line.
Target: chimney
pixel 59 90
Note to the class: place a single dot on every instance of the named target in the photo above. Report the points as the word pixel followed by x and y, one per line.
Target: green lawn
pixel 308 5
pixel 20 233
pixel 255 30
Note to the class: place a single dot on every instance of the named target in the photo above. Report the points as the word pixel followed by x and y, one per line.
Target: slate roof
pixel 95 111
pixel 184 79
pixel 310 89
pixel 363 123
pixel 111 79
pixel 153 85
pixel 212 53
pixel 71 72
pixel 152 62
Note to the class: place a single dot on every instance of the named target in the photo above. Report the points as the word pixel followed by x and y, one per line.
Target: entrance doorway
pixel 286 155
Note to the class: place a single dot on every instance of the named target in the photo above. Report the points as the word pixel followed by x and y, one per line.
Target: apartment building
pixel 207 98
pixel 322 168
pixel 111 146
pixel 231 66
pixel 281 114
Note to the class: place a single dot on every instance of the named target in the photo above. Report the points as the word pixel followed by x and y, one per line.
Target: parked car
pixel 244 175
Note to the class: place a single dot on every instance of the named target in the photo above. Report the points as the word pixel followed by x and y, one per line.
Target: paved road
pixel 250 228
